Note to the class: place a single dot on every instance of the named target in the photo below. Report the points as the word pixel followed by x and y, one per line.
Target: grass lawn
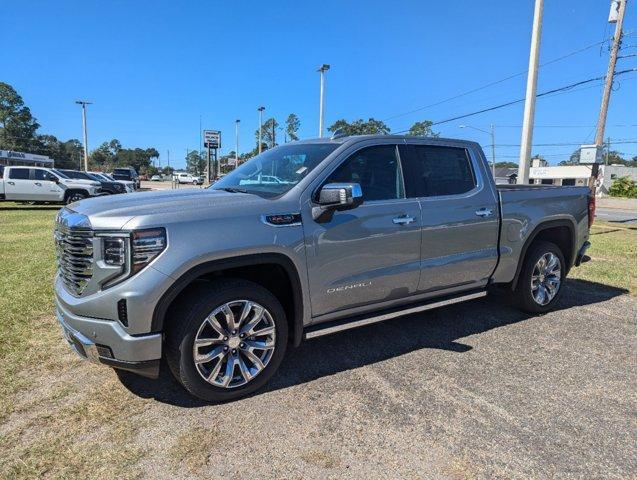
pixel 60 417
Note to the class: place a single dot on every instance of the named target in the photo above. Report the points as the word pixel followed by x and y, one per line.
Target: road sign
pixel 212 138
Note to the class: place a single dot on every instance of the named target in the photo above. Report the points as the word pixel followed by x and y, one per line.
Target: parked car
pixel 39 184
pixel 220 281
pixel 108 186
pixel 128 174
pixel 156 178
pixel 128 185
pixel 183 177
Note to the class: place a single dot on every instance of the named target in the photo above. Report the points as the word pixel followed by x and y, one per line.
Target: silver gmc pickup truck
pixel 307 239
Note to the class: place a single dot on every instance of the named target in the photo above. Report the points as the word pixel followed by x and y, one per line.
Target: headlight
pixel 126 254
pixel 146 245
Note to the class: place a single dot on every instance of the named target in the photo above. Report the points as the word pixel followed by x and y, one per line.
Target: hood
pixel 115 211
pixel 80 181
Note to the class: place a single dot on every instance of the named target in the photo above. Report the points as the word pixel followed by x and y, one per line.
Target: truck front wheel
pixel 541 278
pixel 75 197
pixel 225 339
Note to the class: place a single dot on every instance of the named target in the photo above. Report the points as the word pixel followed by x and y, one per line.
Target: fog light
pixel 122 312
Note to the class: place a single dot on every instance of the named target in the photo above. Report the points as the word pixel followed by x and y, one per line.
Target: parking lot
pixel 469 391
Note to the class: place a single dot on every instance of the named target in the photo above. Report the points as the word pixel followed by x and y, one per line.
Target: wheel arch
pixel 231 266
pixel 560 232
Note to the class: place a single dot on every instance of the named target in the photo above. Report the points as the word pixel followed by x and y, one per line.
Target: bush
pixel 623 187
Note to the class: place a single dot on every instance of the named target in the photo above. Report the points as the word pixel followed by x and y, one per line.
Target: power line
pixel 468 92
pixel 513 102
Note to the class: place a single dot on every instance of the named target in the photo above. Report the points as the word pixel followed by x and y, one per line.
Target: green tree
pixel 17 125
pixel 268 134
pixel 292 124
pixel 360 127
pixel 168 171
pixel 422 129
pixel 506 165
pixel 195 163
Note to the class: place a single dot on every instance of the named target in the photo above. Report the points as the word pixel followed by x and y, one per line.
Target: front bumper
pixel 105 342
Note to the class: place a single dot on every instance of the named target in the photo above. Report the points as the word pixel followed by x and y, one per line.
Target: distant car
pixel 128 186
pixel 183 177
pixel 156 178
pixel 108 186
pixel 262 180
pixel 128 174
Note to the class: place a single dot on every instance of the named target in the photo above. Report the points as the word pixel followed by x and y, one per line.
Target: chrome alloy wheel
pixel 234 343
pixel 546 278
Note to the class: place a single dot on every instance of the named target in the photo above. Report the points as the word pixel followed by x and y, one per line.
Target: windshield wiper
pixel 233 189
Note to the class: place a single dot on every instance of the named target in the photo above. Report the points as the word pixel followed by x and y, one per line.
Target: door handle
pixel 484 212
pixel 11 183
pixel 38 184
pixel 403 220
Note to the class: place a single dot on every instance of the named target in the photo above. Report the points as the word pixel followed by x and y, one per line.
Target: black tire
pixel 75 197
pixel 187 314
pixel 523 295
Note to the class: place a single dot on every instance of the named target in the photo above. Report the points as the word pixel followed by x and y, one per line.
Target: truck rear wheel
pixel 225 339
pixel 541 278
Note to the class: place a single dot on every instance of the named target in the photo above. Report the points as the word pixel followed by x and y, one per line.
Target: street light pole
pixel 260 125
pixel 84 104
pixel 322 69
pixel 236 154
pixel 531 90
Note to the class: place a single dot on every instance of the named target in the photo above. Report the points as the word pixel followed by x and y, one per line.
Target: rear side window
pixel 376 169
pixel 433 171
pixel 19 173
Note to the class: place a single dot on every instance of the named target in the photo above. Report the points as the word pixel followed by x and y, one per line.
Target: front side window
pixel 376 169
pixel 39 174
pixel 433 171
pixel 277 170
pixel 19 173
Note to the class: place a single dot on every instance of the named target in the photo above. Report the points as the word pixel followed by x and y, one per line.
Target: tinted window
pixel 41 174
pixel 433 171
pixel 19 173
pixel 376 169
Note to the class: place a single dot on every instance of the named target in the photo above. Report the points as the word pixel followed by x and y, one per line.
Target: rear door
pixel 370 253
pixel 460 219
pixel 18 185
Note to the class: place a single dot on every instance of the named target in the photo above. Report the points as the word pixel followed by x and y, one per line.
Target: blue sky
pixel 154 68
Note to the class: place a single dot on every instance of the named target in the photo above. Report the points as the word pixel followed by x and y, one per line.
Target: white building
pixel 8 157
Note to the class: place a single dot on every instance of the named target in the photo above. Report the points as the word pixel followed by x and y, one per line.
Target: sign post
pixel 212 141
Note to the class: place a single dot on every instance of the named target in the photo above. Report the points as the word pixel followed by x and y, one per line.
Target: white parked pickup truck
pixel 38 184
pixel 182 177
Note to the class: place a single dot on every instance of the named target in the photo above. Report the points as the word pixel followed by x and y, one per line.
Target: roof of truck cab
pixel 358 138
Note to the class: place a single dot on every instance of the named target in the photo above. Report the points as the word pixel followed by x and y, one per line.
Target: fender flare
pixel 539 228
pixel 159 313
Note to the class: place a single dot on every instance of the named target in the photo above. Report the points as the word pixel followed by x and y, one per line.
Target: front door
pixel 370 253
pixel 45 189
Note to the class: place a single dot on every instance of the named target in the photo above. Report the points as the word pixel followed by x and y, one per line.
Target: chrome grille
pixel 74 252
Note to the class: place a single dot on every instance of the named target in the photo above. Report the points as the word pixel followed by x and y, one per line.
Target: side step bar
pixel 328 328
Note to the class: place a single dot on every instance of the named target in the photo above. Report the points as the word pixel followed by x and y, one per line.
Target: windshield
pixel 276 171
pixel 94 176
pixel 77 175
pixel 58 173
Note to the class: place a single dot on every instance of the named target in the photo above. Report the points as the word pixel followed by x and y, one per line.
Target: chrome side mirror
pixel 337 196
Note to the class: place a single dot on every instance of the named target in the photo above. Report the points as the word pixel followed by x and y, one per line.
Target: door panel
pixel 44 189
pixel 363 256
pixel 460 219
pixel 370 253
pixel 17 185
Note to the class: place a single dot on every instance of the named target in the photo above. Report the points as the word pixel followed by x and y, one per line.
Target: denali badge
pixel 342 288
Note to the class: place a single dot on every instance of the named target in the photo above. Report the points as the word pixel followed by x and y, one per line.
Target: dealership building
pixel 9 157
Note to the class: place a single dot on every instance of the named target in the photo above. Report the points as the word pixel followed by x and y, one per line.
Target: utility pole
pixel 168 158
pixel 531 90
pixel 273 135
pixel 617 11
pixel 236 131
pixel 260 125
pixel 493 149
pixel 322 69
pixel 84 104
